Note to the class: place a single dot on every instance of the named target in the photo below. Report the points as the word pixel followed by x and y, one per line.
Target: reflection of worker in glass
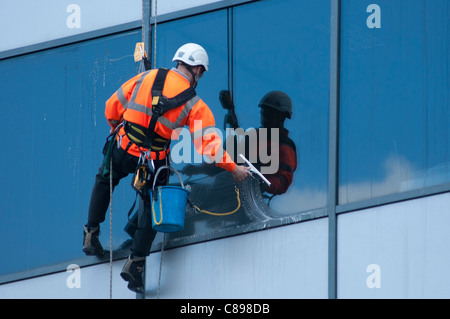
pixel 276 106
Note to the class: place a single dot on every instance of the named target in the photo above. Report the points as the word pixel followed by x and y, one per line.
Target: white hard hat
pixel 192 54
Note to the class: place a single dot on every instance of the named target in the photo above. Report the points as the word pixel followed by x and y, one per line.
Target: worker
pixel 129 111
pixel 276 107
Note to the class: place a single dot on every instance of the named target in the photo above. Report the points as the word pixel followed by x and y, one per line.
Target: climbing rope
pixel 111 189
pixel 110 225
pixel 154 48
pixel 160 265
pixel 196 207
pixel 164 236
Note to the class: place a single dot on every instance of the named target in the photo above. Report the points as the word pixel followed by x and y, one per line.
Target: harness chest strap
pixel 161 104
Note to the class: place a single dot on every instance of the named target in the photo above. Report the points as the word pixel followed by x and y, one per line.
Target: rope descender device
pixel 143 172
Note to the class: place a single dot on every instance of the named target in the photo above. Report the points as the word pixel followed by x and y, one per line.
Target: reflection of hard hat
pixel 278 101
pixel 192 54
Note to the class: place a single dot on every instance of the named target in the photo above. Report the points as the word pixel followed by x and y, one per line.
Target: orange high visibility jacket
pixel 132 102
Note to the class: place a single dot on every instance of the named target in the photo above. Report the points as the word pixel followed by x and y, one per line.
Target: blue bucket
pixel 168 205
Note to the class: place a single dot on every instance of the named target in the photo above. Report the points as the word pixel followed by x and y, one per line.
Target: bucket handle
pixel 170 168
pixel 160 199
pixel 160 209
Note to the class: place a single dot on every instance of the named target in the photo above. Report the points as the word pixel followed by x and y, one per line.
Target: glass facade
pixel 266 58
pixel 248 57
pixel 394 112
pixel 393 120
pixel 54 103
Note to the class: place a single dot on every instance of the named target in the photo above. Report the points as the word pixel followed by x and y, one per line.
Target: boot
pixel 91 243
pixel 133 272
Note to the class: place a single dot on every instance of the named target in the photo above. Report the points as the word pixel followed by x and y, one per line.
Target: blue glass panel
pixel 395 116
pixel 284 45
pixel 253 49
pixel 54 131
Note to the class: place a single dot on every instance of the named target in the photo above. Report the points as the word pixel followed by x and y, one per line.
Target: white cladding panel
pixel 396 251
pixel 29 22
pixel 285 262
pixel 91 282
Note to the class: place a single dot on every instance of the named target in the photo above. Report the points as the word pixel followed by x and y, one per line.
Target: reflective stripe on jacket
pixel 132 102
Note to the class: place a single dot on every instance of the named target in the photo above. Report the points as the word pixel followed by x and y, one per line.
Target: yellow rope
pixel 160 208
pixel 223 214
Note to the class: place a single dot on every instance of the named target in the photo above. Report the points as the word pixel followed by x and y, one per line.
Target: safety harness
pixel 146 137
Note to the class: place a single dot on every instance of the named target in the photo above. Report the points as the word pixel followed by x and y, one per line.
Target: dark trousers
pixel 123 165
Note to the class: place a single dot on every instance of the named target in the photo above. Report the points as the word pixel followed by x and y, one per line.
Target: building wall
pixel 284 262
pixel 33 22
pixel 395 251
pixel 249 266
pixel 365 214
pixel 91 282
pixel 61 19
pixel 391 251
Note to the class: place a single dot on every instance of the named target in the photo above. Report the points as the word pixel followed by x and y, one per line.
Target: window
pixel 284 46
pixel 254 49
pixel 394 112
pixel 53 111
